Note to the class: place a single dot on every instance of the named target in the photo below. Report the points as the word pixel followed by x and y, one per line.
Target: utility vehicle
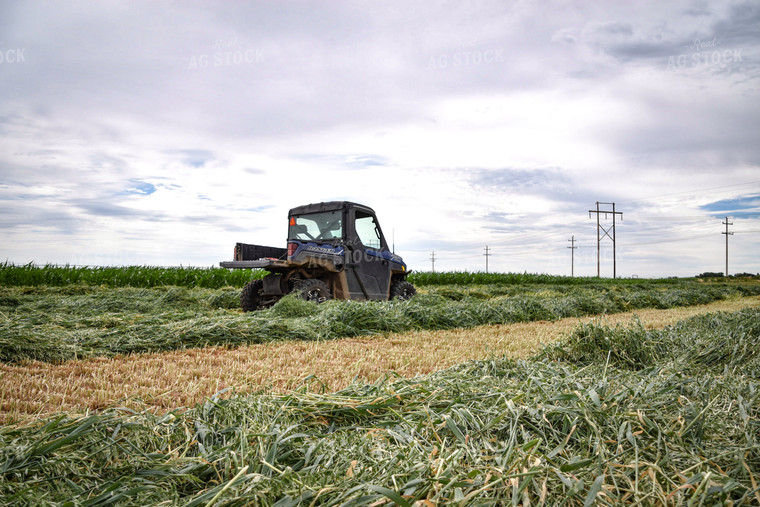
pixel 334 250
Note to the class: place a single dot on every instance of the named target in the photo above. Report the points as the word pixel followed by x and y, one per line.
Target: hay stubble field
pixel 167 380
pixel 147 386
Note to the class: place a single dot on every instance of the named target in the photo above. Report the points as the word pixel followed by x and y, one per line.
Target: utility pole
pixel 432 259
pixel 727 223
pixel 599 230
pixel 572 255
pixel 487 255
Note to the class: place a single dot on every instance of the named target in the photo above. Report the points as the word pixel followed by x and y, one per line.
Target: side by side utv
pixel 334 250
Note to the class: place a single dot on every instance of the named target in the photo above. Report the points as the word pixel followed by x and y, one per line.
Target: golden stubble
pixel 171 380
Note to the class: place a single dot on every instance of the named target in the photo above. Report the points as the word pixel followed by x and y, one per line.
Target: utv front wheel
pixel 313 289
pixel 402 289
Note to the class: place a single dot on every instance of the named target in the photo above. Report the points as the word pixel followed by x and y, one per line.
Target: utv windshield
pixel 316 226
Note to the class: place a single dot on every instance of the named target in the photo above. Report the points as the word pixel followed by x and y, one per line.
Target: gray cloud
pixel 105 208
pixel 15 216
pixel 555 184
pixel 202 122
pixel 522 179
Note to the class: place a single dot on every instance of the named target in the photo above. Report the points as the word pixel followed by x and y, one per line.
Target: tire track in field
pixel 168 380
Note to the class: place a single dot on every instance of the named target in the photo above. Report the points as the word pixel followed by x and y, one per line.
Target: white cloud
pixel 463 125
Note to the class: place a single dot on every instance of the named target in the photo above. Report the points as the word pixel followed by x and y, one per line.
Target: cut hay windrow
pixel 465 278
pixel 612 421
pixel 77 321
pixel 181 378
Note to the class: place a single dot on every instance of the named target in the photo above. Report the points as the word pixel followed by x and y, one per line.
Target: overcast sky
pixel 161 133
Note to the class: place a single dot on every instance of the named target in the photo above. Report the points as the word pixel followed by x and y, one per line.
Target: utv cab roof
pixel 327 206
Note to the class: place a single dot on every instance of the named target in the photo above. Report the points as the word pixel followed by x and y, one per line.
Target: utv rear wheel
pixel 401 289
pixel 250 298
pixel 313 289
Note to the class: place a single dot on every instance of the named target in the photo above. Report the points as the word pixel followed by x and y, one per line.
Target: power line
pixel 736 213
pixel 432 259
pixel 517 250
pixel 517 245
pixel 674 240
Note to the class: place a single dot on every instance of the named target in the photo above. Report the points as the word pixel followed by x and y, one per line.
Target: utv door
pixel 369 273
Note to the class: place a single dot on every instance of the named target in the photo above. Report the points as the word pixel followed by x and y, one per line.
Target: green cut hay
pixel 577 430
pixel 51 323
